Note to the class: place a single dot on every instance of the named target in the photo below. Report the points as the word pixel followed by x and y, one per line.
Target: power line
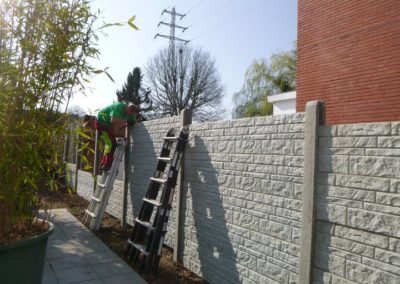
pixel 196 6
pixel 211 13
pixel 174 5
pixel 231 20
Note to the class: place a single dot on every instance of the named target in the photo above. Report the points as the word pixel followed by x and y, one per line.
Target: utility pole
pixel 172 54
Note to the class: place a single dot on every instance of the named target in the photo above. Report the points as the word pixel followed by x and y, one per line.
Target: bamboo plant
pixel 45 52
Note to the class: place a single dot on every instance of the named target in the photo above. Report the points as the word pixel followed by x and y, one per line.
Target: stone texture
pixel 365 274
pixel 375 222
pixel 347 193
pixel 332 213
pixel 331 263
pixel 348 142
pixel 387 256
pixel 274 119
pixel 389 142
pixel 383 152
pixel 335 164
pixel 395 185
pixel 343 151
pixel 244 122
pixel 280 147
pixel 242 203
pixel 296 118
pixel 275 229
pixel 363 237
pixel 363 182
pixel 351 246
pixel 395 128
pixel 375 166
pixel 364 129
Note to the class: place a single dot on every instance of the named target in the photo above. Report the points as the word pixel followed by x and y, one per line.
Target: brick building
pixel 349 57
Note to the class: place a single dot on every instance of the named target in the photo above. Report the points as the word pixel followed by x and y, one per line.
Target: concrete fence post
pixel 313 110
pixel 96 154
pixel 126 178
pixel 66 147
pixel 77 160
pixel 95 159
pixel 186 119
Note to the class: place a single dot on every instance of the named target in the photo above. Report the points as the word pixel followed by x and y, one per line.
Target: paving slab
pixel 76 255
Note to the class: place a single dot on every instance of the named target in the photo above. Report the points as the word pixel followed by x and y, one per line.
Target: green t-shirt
pixel 116 110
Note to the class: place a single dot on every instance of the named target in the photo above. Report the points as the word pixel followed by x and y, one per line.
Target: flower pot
pixel 23 261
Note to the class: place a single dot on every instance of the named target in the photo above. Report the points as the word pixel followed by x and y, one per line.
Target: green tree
pixel 262 79
pixel 133 92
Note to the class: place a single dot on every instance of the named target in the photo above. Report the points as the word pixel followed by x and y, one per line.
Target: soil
pixel 22 231
pixel 115 237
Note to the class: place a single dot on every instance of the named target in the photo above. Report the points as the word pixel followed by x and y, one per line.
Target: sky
pixel 233 32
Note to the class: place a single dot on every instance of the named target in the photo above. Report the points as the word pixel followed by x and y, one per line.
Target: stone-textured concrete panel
pixel 375 166
pixel 364 129
pixel 242 198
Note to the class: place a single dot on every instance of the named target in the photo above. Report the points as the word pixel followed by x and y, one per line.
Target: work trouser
pixel 107 135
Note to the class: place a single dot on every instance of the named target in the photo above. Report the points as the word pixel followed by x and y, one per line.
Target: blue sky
pixel 234 32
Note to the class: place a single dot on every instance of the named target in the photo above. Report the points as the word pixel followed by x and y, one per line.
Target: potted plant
pixel 44 47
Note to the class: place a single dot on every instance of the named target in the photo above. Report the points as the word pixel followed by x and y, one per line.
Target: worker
pixel 109 122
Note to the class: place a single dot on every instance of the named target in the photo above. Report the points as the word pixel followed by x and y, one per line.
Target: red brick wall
pixel 349 57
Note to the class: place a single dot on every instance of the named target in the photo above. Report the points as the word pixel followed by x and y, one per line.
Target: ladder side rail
pixel 93 204
pixel 109 185
pixel 105 195
pixel 169 189
pixel 99 209
pixel 146 209
pixel 161 228
pixel 155 238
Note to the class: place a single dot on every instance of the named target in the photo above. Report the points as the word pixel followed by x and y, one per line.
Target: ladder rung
pixel 90 213
pixel 96 199
pixel 141 248
pixel 159 180
pixel 170 138
pixel 145 224
pixel 101 185
pixel 152 201
pixel 165 159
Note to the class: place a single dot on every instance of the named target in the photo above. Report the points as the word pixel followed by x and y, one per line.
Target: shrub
pixel 44 50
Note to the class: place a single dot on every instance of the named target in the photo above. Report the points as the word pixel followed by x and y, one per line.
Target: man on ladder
pixel 109 122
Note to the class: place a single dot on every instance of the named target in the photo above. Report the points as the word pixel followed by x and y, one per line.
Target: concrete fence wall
pixel 145 144
pixel 358 204
pixel 241 213
pixel 242 199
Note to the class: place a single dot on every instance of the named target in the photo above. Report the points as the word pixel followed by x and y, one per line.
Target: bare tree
pixel 191 81
pixel 76 110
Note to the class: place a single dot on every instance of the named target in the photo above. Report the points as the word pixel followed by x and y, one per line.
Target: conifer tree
pixel 132 92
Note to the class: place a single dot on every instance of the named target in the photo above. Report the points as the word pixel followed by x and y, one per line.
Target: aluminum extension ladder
pixel 150 227
pixel 95 212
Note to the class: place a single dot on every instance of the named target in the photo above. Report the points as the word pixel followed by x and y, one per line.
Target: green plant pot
pixel 22 262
